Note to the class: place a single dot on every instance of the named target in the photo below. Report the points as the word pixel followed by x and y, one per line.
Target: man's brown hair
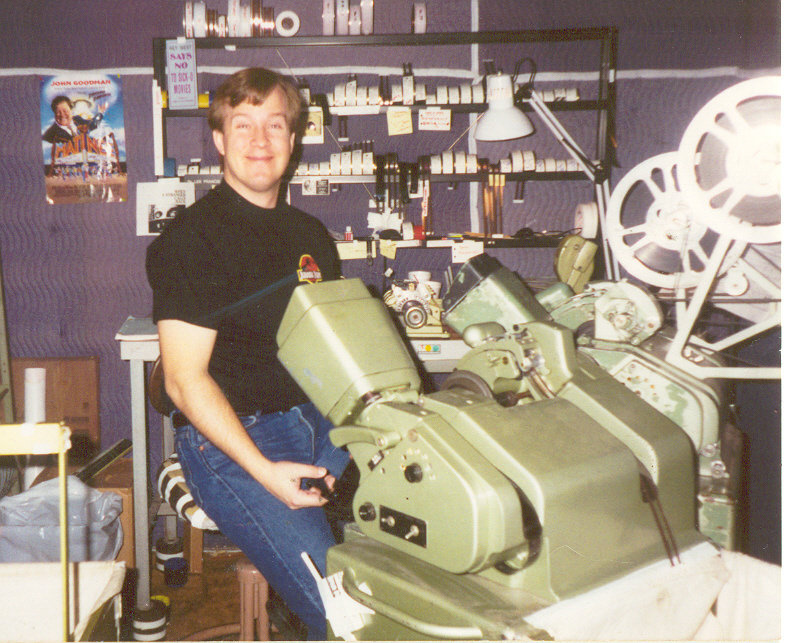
pixel 254 85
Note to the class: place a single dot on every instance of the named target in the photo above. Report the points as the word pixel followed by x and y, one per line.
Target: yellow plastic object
pixel 574 261
pixel 40 439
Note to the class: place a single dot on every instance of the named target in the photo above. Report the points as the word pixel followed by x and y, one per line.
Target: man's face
pixel 256 143
pixel 63 114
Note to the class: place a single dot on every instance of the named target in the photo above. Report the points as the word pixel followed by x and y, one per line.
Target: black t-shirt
pixel 221 250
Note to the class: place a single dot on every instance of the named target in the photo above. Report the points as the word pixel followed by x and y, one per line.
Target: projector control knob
pixel 367 511
pixel 413 472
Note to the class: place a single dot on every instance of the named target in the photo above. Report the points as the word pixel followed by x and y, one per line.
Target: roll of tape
pixel 397 93
pixel 471 163
pixel 350 92
pixel 355 20
pixel 539 165
pixel 447 163
pixel 343 13
pixel 334 162
pixel 442 95
pixel 356 162
pixel 561 165
pixel 245 20
pixel 477 94
pixel 571 94
pixel 324 168
pixel 460 162
pixel 267 21
pixel 550 165
pixel 419 17
pixel 454 95
pixel 465 94
pixel 328 17
pixel 150 624
pixel 199 19
pixel 256 9
pixel 373 97
pixel 408 89
pixel 287 24
pixel 506 165
pixel 233 17
pixel 435 164
pixel 517 161
pixel 529 161
pixel 367 16
pixel 189 25
pixel 339 95
pixel 368 163
pixel 361 95
pixel 345 163
pixel 166 549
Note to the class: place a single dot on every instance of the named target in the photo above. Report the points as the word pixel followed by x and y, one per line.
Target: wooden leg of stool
pixel 261 612
pixel 247 616
pixel 193 548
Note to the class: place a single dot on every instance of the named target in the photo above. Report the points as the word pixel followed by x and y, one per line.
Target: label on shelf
pixel 466 249
pixel 435 119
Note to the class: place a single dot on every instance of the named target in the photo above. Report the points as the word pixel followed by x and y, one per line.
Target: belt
pixel 179 419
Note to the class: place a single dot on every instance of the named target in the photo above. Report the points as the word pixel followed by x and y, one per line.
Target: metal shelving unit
pixel 602 105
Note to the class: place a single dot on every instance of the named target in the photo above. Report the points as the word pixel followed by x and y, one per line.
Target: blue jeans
pixel 269 533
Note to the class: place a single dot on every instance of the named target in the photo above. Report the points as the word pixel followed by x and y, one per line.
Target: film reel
pixel 729 165
pixel 653 231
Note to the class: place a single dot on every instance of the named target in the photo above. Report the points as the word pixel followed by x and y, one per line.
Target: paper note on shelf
pixel 398 121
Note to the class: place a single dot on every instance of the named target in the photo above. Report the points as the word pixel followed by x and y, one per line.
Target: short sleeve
pixel 186 277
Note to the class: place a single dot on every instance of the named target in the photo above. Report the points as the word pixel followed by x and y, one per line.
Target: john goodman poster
pixel 83 138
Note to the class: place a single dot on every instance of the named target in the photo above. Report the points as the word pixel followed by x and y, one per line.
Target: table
pixel 139 343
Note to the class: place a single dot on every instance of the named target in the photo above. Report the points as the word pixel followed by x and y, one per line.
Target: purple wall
pixel 72 273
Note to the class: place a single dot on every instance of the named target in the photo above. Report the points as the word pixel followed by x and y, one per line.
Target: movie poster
pixel 83 138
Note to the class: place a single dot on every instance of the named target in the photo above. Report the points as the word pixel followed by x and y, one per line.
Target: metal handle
pixel 406 620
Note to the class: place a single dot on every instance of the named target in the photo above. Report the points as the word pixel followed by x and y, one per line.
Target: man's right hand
pixel 283 480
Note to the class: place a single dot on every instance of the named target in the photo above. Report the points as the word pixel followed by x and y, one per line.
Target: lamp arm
pixel 561 134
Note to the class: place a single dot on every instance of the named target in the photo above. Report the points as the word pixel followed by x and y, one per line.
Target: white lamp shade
pixel 502 121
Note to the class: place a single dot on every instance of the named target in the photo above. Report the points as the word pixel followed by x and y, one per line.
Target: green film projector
pixel 621 327
pixel 534 476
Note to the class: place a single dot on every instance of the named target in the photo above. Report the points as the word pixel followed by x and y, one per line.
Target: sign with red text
pixel 181 74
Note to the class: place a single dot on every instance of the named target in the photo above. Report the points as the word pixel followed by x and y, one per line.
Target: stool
pixel 254 596
pixel 253 613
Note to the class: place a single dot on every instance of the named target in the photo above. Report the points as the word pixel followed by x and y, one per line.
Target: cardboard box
pixel 72 397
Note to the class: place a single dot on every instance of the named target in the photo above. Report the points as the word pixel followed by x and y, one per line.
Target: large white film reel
pixel 729 165
pixel 654 233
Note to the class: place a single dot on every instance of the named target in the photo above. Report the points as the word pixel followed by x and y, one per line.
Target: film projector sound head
pixel 531 502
